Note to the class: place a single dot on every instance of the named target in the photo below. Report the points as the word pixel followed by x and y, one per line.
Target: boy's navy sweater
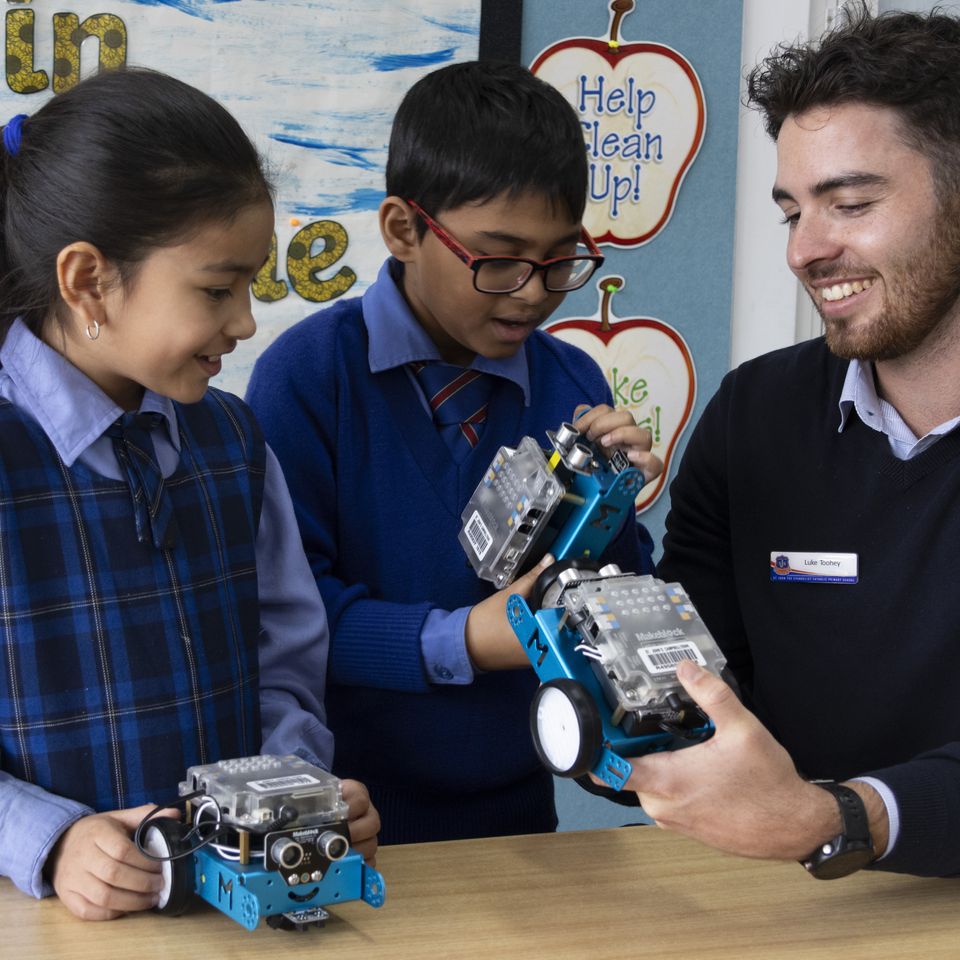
pixel 854 680
pixel 379 498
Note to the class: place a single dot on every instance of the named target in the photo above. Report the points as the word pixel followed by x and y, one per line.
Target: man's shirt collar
pixel 859 395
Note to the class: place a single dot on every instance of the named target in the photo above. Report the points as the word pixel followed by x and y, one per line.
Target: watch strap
pixel 853 814
pixel 852 848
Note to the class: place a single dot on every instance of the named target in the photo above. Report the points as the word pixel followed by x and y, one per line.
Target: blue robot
pixel 604 643
pixel 264 837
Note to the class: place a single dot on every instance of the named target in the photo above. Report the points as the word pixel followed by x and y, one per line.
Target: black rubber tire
pixel 589 724
pixel 171 833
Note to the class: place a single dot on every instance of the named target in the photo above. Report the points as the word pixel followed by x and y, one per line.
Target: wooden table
pixel 620 893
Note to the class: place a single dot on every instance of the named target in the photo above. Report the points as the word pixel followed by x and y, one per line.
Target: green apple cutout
pixel 642 109
pixel 650 371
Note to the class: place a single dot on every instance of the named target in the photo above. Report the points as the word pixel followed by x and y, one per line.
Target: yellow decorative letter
pixel 303 266
pixel 21 77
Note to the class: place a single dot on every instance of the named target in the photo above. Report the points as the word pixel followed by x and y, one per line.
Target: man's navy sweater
pixel 853 680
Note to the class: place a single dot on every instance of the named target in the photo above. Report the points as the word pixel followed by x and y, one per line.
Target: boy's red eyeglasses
pixel 509 274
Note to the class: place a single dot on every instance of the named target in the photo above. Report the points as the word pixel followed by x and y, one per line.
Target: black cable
pixel 194 830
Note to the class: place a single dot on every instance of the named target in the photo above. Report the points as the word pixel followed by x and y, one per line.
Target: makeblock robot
pixel 265 837
pixel 604 643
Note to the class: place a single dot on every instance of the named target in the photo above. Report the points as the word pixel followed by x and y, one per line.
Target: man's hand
pixel 97 871
pixel 738 791
pixel 363 820
pixel 615 429
pixel 491 642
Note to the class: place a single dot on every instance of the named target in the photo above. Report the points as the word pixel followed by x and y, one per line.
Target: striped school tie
pixel 458 399
pixel 152 507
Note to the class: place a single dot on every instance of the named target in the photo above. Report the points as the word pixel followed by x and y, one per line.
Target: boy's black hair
pixel 471 131
pixel 909 62
pixel 127 160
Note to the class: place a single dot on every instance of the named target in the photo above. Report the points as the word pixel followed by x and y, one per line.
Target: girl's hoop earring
pixel 93 330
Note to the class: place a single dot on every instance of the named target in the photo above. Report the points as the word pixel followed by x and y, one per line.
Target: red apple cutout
pixel 650 371
pixel 642 109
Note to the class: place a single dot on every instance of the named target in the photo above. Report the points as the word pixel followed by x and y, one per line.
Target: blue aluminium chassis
pixel 247 893
pixel 607 496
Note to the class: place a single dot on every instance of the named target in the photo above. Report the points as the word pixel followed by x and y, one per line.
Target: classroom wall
pixel 764 290
pixel 677 370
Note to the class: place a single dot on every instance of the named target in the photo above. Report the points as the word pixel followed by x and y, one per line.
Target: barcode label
pixel 663 658
pixel 283 783
pixel 479 536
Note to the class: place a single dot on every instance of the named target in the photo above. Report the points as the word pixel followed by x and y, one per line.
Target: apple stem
pixel 620 9
pixel 608 286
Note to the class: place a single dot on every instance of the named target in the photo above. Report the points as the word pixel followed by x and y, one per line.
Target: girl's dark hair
pixel 472 131
pixel 909 62
pixel 127 160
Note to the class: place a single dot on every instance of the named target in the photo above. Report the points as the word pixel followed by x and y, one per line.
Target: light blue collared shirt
pixel 75 413
pixel 859 395
pixel 396 339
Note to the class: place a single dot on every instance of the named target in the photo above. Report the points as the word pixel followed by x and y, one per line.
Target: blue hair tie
pixel 12 133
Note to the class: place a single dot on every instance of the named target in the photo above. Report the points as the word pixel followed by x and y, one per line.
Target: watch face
pixel 839 858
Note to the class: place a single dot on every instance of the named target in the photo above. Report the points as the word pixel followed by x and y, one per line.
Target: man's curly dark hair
pixel 908 62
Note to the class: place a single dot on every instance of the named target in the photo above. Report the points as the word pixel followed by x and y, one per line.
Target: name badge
pixel 803 567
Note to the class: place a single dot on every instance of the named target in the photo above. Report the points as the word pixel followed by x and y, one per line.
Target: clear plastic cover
pixel 508 510
pixel 251 791
pixel 636 629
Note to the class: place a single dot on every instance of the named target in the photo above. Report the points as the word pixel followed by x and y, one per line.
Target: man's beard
pixel 920 290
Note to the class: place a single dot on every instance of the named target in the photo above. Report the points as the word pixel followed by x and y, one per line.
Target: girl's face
pixel 186 306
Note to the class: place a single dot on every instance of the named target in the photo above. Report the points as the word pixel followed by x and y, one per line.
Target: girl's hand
pixel 97 871
pixel 363 820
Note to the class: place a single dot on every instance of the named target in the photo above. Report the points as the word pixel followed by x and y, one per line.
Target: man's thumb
pixel 709 692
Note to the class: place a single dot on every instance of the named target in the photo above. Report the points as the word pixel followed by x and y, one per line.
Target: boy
pixel 429 689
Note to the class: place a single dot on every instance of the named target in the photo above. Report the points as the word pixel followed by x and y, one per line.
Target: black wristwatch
pixel 852 848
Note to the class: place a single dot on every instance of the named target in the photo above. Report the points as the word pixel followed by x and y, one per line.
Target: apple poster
pixel 655 84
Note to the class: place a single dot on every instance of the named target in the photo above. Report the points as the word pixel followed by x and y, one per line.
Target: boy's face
pixel 439 287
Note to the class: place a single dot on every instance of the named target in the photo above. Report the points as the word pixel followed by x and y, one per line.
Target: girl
pixel 137 507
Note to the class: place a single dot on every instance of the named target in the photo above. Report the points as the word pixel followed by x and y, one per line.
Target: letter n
pixel 68 35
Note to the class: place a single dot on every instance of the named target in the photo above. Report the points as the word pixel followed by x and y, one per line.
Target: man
pixel 816 515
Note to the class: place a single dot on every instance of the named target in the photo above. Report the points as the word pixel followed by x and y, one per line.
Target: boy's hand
pixel 491 642
pixel 363 820
pixel 617 428
pixel 97 871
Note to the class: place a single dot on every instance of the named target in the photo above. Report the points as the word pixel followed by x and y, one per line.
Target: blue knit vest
pixel 121 664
